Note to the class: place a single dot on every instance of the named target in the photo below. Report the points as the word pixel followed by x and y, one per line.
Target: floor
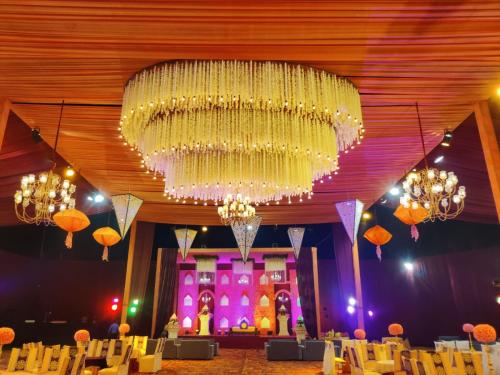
pixel 240 361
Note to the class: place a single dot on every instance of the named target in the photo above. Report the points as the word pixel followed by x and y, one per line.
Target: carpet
pixel 240 362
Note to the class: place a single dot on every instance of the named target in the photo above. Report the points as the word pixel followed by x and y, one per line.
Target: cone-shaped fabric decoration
pixel 296 236
pixel 106 236
pixel 350 214
pixel 245 233
pixel 411 216
pixel 185 238
pixel 378 236
pixel 126 207
pixel 71 221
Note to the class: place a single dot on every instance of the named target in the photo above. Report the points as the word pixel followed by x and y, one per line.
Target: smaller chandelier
pixel 236 210
pixel 436 191
pixel 433 189
pixel 40 197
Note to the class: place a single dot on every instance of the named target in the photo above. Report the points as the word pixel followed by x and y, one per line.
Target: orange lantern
pixel 378 236
pixel 71 221
pixel 395 329
pixel 106 236
pixel 412 216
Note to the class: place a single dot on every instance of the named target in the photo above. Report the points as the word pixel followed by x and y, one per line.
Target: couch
pixel 283 350
pixel 195 349
pixel 312 350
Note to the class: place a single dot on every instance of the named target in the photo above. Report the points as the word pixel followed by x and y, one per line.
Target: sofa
pixel 195 349
pixel 169 350
pixel 283 350
pixel 312 350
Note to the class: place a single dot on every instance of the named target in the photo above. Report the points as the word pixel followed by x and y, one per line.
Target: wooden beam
pixel 357 285
pixel 490 147
pixel 128 274
pixel 5 107
pixel 156 291
pixel 316 289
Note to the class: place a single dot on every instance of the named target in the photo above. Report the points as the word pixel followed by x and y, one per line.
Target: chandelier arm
pixel 422 136
pixel 57 135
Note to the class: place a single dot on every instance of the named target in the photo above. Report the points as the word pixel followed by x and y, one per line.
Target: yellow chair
pixel 122 367
pixel 140 344
pixel 21 360
pixel 469 363
pixel 414 366
pixel 357 365
pixel 92 347
pixel 152 362
pixel 437 363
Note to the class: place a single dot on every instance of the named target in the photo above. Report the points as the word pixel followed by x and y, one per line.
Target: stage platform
pixel 240 341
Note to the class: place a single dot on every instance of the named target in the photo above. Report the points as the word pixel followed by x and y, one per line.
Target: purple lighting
pixel 350 309
pixel 370 313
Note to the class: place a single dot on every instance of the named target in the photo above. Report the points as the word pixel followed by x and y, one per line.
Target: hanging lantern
pixel 378 236
pixel 71 221
pixel 412 215
pixel 106 236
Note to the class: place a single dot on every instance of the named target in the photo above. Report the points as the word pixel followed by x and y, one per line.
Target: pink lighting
pixel 370 313
pixel 350 309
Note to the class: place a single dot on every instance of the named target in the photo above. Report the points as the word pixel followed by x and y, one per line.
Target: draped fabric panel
pixel 167 293
pixel 345 271
pixel 306 290
pixel 142 259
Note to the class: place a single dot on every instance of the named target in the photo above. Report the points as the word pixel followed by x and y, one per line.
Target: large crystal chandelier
pixel 435 190
pixel 236 210
pixel 39 197
pixel 264 130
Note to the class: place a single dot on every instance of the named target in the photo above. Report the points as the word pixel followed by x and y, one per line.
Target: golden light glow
pixel 214 128
pixel 69 172
pixel 366 215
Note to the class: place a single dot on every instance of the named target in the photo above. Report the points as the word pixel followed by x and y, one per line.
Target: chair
pixel 53 361
pixel 437 363
pixel 152 362
pixel 75 365
pixel 494 356
pixel 469 363
pixel 357 365
pixel 413 366
pixel 462 345
pixel 140 344
pixel 313 350
pixel 120 368
pixel 92 347
pixel 21 360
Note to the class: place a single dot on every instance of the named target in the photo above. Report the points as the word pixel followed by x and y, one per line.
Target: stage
pixel 239 341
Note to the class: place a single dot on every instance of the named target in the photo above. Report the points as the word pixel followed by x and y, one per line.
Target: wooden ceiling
pixel 444 55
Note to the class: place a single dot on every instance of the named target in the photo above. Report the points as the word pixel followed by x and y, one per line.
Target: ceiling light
pixel 395 191
pixel 98 198
pixel 408 266
pixel 448 135
pixel 204 229
pixel 350 309
pixel 352 301
pixel 70 172
pixel 370 313
pixel 439 159
pixel 90 198
pixel 498 91
pixel 366 215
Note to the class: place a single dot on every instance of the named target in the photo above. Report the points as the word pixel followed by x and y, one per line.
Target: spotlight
pixel 35 134
pixel 370 313
pixel 352 301
pixel 498 299
pixel 448 135
pixel 70 172
pixel 98 198
pixel 395 191
pixel 114 307
pixel 116 300
pixel 90 198
pixel 204 229
pixel 350 309
pixel 439 159
pixel 408 266
pixel 498 91
pixel 366 215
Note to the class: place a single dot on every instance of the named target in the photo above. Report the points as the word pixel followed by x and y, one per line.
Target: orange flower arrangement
pixel 124 328
pixel 82 335
pixel 484 333
pixel 395 329
pixel 360 334
pixel 7 335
